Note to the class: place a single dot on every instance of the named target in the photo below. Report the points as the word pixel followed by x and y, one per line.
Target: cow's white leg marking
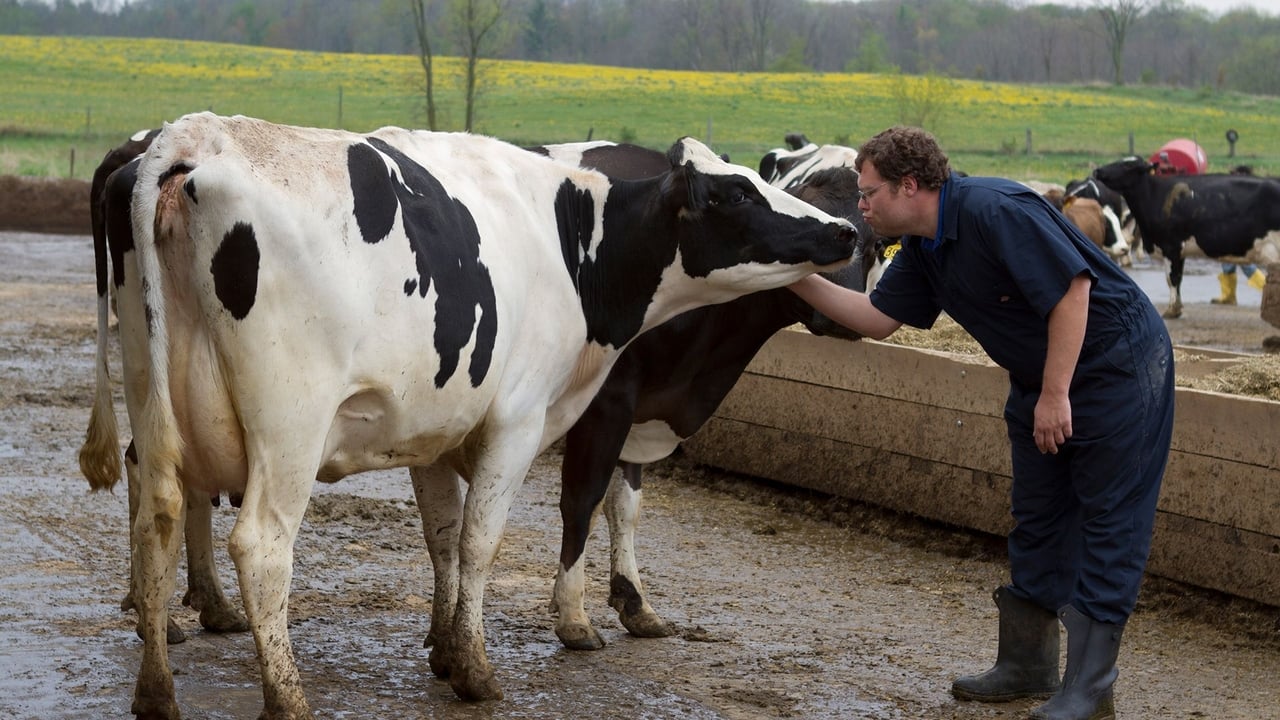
pixel 626 592
pixel 573 625
pixel 1175 299
pixel 261 545
pixel 438 491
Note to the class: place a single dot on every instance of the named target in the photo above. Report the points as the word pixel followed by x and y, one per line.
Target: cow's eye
pixel 738 198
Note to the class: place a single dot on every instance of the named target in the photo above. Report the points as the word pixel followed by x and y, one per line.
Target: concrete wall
pixel 922 432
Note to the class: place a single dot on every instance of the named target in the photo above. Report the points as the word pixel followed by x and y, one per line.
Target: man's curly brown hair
pixel 901 151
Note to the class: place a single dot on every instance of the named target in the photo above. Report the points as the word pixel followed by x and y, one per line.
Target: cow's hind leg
pixel 156 536
pixel 438 492
pixel 494 483
pixel 626 592
pixel 173 634
pixel 204 592
pixel 261 545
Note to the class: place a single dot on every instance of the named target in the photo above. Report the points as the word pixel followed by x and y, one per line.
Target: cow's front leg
pixel 156 535
pixel 204 592
pixel 626 592
pixel 438 492
pixel 261 545
pixel 591 451
pixel 1175 288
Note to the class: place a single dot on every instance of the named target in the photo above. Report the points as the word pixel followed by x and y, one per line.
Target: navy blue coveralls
pixel 1003 258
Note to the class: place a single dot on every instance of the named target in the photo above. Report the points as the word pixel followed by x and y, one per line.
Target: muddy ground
pixel 788 604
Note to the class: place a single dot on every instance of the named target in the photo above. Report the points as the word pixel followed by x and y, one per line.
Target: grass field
pixel 69 100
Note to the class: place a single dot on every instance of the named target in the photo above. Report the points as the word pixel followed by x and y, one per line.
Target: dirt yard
pixel 788 604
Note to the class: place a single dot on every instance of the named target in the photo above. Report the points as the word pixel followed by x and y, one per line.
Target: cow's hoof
pixel 223 619
pixel 471 685
pixel 173 634
pixel 155 710
pixel 437 660
pixel 647 624
pixel 1172 314
pixel 580 637
pixel 304 714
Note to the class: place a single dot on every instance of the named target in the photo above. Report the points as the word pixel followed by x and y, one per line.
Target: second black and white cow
pixel 664 387
pixel 100 456
pixel 312 303
pixel 1226 214
pixel 789 166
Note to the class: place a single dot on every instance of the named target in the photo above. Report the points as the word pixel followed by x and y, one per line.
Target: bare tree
pixel 479 24
pixel 761 28
pixel 1118 17
pixel 418 8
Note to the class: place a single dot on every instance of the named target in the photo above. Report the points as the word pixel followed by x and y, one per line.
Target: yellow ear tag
pixel 891 250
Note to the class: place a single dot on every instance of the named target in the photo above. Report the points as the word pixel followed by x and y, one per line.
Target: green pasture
pixel 69 100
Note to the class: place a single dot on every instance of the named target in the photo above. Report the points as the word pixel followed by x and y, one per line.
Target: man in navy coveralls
pixel 1089 412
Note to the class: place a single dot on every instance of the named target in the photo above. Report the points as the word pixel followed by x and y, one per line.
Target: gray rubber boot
pixel 1092 649
pixel 1026 659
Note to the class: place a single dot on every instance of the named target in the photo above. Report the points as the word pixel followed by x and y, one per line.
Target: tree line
pixel 1114 41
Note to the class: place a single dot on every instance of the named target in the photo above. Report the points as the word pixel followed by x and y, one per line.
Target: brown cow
pixel 1088 215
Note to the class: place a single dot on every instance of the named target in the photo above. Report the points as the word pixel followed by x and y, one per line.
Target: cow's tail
pixel 158 217
pixel 100 453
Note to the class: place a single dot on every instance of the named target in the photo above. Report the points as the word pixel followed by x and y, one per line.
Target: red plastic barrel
pixel 1180 157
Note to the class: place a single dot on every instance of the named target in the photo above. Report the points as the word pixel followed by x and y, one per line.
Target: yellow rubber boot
pixel 1258 279
pixel 1228 283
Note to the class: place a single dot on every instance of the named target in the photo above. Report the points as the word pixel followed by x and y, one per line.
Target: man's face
pixel 882 204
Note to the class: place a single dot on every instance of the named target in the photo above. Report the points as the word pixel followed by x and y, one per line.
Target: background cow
pixel 1094 221
pixel 1114 212
pixel 315 303
pixel 100 456
pixel 789 166
pixel 1226 214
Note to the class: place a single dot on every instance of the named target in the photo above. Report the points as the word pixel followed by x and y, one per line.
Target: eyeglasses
pixel 866 194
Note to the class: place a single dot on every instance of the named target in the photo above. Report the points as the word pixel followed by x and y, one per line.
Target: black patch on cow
pixel 617 285
pixel 117 213
pixel 235 270
pixel 373 189
pixel 446 245
pixel 626 161
pixel 178 168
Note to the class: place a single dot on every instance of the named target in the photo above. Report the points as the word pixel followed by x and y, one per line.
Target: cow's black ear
pixel 698 186
pixel 675 155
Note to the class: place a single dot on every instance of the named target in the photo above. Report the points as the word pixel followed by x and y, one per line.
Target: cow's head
pixel 738 232
pixel 788 167
pixel 1124 174
pixel 835 191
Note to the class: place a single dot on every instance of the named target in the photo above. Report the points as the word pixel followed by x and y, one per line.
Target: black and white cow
pixel 664 387
pixel 789 166
pixel 308 304
pixel 1226 214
